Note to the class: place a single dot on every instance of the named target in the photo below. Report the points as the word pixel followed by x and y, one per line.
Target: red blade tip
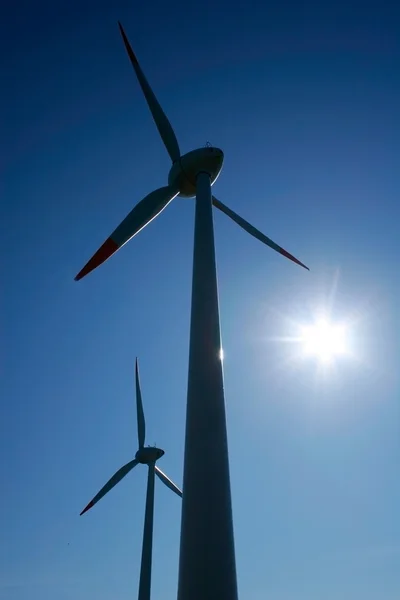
pixel 87 508
pixel 291 257
pixel 102 254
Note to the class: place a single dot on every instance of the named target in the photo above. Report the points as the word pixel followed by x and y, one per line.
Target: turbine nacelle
pixel 184 171
pixel 182 181
pixel 148 455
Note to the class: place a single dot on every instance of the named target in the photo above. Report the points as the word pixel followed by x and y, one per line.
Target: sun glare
pixel 323 340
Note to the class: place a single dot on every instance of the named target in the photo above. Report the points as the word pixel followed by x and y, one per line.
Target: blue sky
pixel 304 102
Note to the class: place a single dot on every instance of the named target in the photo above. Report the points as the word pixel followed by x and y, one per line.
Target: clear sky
pixel 304 101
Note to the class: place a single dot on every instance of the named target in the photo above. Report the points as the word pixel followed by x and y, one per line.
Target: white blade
pixel 120 474
pixel 141 215
pixel 255 232
pixel 163 125
pixel 168 482
pixel 139 408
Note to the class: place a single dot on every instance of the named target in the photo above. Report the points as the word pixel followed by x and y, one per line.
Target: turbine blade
pixel 141 215
pixel 168 482
pixel 120 474
pixel 255 232
pixel 163 125
pixel 141 424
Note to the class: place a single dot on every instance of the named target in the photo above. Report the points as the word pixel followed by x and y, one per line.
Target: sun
pixel 324 340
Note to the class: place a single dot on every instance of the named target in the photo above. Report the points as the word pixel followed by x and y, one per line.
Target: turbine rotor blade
pixel 168 482
pixel 120 474
pixel 255 232
pixel 141 424
pixel 163 125
pixel 140 216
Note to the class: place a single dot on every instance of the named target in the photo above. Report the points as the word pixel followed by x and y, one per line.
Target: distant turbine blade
pixel 163 125
pixel 255 232
pixel 111 483
pixel 168 482
pixel 141 215
pixel 141 424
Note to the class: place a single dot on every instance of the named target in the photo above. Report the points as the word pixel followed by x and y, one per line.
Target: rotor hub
pixel 148 454
pixel 184 172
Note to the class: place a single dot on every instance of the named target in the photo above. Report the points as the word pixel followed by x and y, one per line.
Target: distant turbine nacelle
pixel 184 171
pixel 148 455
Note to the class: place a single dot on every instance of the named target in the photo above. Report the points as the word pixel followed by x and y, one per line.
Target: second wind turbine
pixel 146 455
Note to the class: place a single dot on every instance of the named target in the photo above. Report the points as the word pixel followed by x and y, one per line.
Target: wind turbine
pixel 146 455
pixel 207 566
